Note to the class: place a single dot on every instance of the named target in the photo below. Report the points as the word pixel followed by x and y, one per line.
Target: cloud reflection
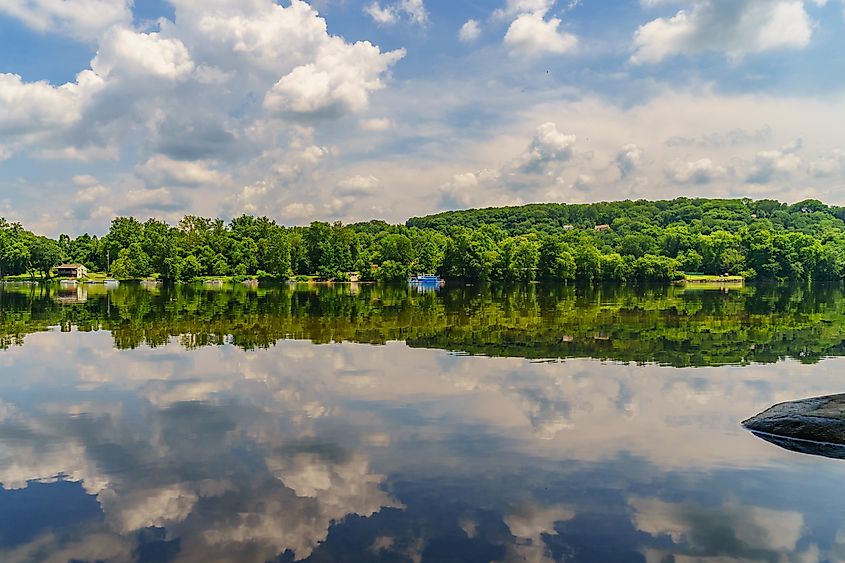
pixel 254 454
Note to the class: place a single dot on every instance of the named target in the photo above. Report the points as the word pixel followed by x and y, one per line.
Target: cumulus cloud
pixel 548 146
pixel 298 211
pixel 376 124
pixel 147 55
pixel 548 152
pixel 31 110
pixel 470 31
pixel 770 164
pixel 829 165
pixel 220 87
pixel 514 8
pixel 103 202
pixel 351 191
pixel 414 10
pixel 161 170
pixel 82 19
pixel 381 15
pixel 733 27
pixel 628 159
pixel 358 186
pixel 698 172
pixel 463 190
pixel 339 81
pixel 532 35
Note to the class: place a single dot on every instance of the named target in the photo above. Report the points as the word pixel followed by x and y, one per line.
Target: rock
pixel 814 426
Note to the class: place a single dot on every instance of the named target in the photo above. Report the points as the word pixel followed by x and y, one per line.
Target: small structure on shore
pixel 76 271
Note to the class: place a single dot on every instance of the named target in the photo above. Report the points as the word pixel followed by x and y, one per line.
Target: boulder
pixel 813 426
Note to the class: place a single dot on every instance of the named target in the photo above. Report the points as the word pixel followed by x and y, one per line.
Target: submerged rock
pixel 814 426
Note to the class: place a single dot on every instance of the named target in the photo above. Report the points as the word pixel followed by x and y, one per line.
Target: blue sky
pixel 347 110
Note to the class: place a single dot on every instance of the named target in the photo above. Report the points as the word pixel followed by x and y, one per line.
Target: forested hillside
pixel 616 241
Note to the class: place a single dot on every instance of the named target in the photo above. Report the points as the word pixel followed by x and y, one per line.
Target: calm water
pixel 379 424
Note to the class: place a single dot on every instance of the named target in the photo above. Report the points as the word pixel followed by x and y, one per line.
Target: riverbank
pixel 702 279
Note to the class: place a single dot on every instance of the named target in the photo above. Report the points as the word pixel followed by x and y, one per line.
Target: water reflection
pixel 666 325
pixel 187 452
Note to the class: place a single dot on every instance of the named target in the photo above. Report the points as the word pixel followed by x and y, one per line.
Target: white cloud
pixel 547 147
pixel 35 106
pixel 770 164
pixel 531 35
pixel 82 19
pixel 218 88
pixel 376 124
pixel 84 180
pixel 122 51
pixel 161 170
pixel 469 189
pixel 414 10
pixel 547 154
pixel 91 194
pixel 830 165
pixel 734 27
pixel 339 81
pixel 699 172
pixel 358 186
pixel 298 211
pixel 381 15
pixel 470 31
pixel 515 8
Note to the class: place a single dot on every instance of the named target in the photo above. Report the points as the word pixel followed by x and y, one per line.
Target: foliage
pixel 646 241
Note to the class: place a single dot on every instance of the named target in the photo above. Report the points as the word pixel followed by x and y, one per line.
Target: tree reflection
pixel 665 325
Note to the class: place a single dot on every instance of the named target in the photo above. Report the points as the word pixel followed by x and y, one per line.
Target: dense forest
pixel 613 241
pixel 662 324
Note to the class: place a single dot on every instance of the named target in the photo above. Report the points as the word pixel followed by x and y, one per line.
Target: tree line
pixel 635 240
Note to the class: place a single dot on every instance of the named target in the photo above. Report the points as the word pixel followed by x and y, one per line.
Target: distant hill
pixel 704 215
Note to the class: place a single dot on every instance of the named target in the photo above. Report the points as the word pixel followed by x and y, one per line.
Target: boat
pixel 428 280
pixel 111 282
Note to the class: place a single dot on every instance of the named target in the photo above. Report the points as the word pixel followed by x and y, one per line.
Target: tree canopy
pixel 644 241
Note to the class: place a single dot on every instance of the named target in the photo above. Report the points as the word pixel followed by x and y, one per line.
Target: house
pixel 568 227
pixel 77 271
pixel 602 228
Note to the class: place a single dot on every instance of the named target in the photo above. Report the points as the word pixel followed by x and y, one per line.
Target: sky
pixel 348 110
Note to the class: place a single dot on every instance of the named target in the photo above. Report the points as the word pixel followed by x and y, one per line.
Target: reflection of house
pixel 602 228
pixel 77 294
pixel 71 271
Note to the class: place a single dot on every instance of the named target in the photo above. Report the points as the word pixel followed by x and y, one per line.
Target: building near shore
pixel 76 271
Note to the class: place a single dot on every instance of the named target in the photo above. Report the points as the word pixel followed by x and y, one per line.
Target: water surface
pixel 380 424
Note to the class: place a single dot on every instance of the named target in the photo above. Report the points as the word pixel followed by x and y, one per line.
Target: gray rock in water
pixel 820 420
